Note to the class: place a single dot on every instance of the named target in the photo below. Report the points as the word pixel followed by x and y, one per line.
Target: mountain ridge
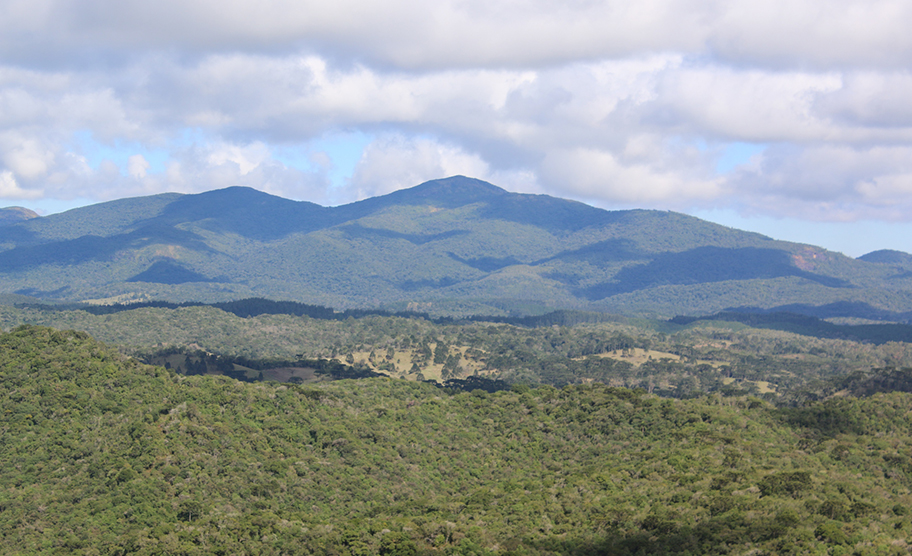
pixel 456 245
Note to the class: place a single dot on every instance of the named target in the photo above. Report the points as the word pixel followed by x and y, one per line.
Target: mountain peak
pixel 12 215
pixel 454 191
pixel 451 192
pixel 461 186
pixel 888 256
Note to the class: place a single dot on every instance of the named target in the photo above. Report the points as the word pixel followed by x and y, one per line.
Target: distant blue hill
pixel 455 246
pixel 12 215
pixel 888 256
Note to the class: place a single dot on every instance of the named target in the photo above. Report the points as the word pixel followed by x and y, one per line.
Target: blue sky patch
pixel 736 154
pixel 343 149
pixel 119 152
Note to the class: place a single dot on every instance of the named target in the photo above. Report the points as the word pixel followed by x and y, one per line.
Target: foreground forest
pixel 100 454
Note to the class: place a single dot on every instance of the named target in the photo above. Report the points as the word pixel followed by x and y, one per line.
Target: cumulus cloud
pixel 414 34
pixel 870 99
pixel 749 105
pixel 192 168
pixel 246 158
pixel 396 162
pixel 137 166
pixel 9 189
pixel 830 182
pixel 27 158
pixel 595 174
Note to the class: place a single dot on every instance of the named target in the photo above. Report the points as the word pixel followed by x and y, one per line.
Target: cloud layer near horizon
pixel 616 103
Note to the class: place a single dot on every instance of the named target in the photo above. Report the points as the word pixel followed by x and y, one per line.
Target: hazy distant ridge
pixel 450 246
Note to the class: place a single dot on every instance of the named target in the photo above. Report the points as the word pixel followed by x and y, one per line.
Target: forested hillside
pixel 99 454
pixel 674 360
pixel 456 246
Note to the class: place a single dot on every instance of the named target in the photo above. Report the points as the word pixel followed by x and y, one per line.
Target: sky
pixel 787 117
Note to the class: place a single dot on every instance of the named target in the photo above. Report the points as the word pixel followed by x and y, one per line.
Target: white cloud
pixel 870 99
pixel 9 189
pixel 612 101
pixel 246 158
pixel 194 168
pixel 601 175
pixel 740 105
pixel 813 33
pixel 26 157
pixel 415 34
pixel 395 162
pixel 137 166
pixel 834 183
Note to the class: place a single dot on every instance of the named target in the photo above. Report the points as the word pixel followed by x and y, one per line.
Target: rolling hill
pixel 12 215
pixel 103 455
pixel 450 246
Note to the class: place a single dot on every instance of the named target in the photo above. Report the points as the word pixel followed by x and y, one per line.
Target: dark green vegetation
pixel 456 246
pixel 102 455
pixel 888 256
pixel 674 360
pixel 811 326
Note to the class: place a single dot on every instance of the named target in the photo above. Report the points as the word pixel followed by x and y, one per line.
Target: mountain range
pixel 451 246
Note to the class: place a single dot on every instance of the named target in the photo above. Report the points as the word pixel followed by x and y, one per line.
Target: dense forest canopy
pixel 298 430
pixel 103 455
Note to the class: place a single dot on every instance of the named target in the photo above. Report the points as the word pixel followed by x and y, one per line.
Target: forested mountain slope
pixel 451 246
pixel 101 455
